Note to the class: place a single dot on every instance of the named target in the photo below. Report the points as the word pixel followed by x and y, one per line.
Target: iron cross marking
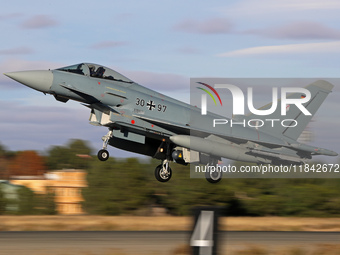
pixel 151 105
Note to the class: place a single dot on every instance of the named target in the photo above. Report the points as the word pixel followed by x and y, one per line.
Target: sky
pixel 161 45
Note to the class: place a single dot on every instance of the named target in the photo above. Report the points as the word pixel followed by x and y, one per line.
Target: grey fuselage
pixel 143 120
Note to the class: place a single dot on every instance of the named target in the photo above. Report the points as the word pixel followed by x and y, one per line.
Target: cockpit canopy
pixel 96 71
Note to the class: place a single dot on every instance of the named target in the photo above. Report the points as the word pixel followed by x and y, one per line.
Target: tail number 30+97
pixel 151 105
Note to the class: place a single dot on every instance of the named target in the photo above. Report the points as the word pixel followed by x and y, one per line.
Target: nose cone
pixel 39 80
pixel 333 153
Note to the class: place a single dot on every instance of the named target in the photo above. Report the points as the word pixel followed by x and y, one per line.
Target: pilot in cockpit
pixel 100 72
pixel 92 70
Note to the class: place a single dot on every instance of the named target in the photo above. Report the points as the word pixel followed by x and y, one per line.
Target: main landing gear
pixel 213 176
pixel 163 171
pixel 103 154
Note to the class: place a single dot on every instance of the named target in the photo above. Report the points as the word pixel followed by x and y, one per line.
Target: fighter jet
pixel 144 121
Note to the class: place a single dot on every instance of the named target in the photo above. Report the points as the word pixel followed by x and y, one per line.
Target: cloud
pixel 108 44
pixel 299 30
pixel 188 50
pixel 44 126
pixel 210 26
pixel 324 47
pixel 17 51
pixel 47 126
pixel 39 21
pixel 10 16
pixel 268 7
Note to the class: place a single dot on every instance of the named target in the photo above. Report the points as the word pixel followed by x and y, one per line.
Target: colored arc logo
pixel 209 93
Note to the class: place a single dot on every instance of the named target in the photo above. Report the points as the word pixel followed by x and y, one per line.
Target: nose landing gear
pixel 163 171
pixel 103 154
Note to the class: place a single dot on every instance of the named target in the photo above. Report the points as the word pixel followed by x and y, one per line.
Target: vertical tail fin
pixel 319 91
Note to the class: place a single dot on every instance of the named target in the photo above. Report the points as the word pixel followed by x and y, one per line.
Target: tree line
pixel 128 187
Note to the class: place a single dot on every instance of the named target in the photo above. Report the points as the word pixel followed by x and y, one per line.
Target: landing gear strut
pixel 103 154
pixel 163 171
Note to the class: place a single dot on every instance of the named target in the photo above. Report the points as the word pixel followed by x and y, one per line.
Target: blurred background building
pixel 65 184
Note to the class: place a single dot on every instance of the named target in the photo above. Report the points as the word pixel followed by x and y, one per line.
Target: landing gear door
pixel 190 156
pixel 99 118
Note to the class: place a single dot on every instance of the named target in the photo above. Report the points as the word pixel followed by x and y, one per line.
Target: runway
pixel 152 243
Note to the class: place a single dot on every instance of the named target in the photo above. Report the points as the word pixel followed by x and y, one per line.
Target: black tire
pixel 160 177
pixel 103 155
pixel 213 177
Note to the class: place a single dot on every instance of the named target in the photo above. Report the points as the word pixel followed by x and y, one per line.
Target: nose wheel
pixel 103 154
pixel 163 172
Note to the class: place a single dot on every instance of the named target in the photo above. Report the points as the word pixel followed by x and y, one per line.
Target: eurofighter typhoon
pixel 144 121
